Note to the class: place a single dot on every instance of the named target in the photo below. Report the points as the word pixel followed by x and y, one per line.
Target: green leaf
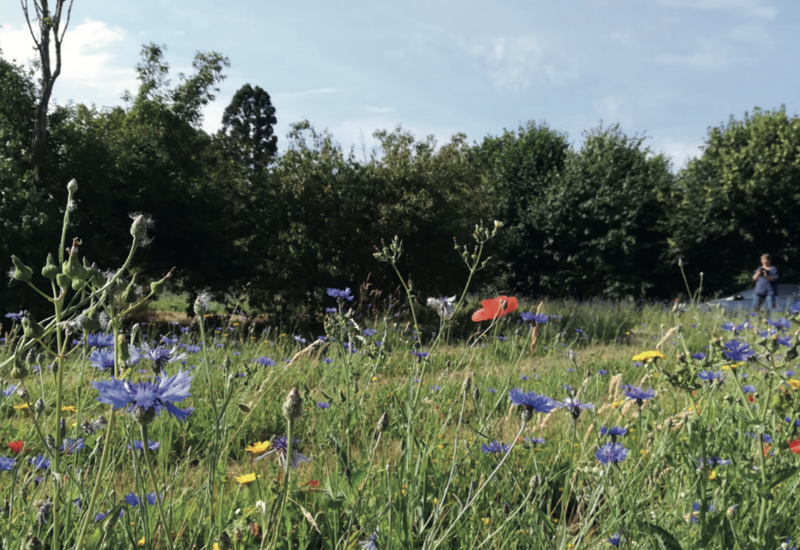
pixel 664 538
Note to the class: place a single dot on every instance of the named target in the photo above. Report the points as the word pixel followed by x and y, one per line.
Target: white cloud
pixel 380 109
pixel 751 8
pixel 622 38
pixel 612 110
pixel 516 63
pixel 679 151
pixel 89 71
pixel 306 93
pixel 713 56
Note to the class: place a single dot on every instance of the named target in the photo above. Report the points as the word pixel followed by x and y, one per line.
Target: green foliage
pixel 738 200
pixel 248 126
pixel 589 222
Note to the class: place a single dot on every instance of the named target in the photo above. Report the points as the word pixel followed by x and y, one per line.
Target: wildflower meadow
pixel 395 421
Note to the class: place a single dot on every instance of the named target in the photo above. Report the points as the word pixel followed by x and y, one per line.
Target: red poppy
pixel 16 446
pixel 751 398
pixel 794 445
pixel 766 450
pixel 313 483
pixel 493 309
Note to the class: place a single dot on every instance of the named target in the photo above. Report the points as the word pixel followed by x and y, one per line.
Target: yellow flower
pixel 795 384
pixel 70 409
pixel 215 547
pixel 21 407
pixel 246 479
pixel 649 356
pixel 485 521
pixel 141 541
pixel 259 447
pixel 617 404
pixel 713 475
pixel 374 378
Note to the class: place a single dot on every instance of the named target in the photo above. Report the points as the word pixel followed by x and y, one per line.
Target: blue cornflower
pixel 72 445
pixel 40 462
pixel 161 356
pixel 785 341
pixel 169 341
pixel 696 508
pixel 15 316
pixel 100 340
pixel 280 445
pixel 327 360
pixel 371 542
pixel 6 464
pixel 533 441
pixel 639 395
pixel 191 348
pixel 538 318
pixel 324 405
pixel 570 370
pixel 9 391
pixel 331 310
pixel 699 356
pixel 133 500
pixel 747 388
pixel 495 448
pixel 532 401
pixel 614 539
pixel 436 388
pixel 637 364
pixel 712 461
pixel 300 339
pixel 602 372
pixel 737 351
pixel 710 376
pixel 264 361
pixel 611 453
pixel 790 421
pixel 574 406
pixel 568 388
pixel 614 432
pixel 420 354
pixel 139 446
pixel 730 327
pixel 102 359
pixel 340 294
pixel 780 323
pixel 369 332
pixel 491 390
pixel 523 377
pixel 149 397
pixel 794 309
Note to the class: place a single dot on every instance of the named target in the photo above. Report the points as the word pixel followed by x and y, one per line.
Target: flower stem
pixel 147 461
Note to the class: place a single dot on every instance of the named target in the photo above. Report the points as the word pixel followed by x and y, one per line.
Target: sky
pixel 666 69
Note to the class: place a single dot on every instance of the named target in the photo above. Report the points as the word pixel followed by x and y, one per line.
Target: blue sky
pixel 666 68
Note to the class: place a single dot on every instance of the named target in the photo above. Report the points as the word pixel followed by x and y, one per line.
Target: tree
pixel 248 124
pixel 739 200
pixel 49 23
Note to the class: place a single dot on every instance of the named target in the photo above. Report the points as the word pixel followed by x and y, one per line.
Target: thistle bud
pixel 22 393
pixel 129 294
pixel 39 406
pixel 21 271
pixel 680 261
pixel 225 542
pixel 466 385
pixel 50 270
pixel 293 406
pixel 202 304
pixel 139 227
pixel 63 281
pixel 72 186
pixel 383 423
pixel 476 393
pixel 527 414
pixel 19 371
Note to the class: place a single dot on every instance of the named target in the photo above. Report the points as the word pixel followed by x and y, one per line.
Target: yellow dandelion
pixel 258 447
pixel 21 407
pixel 374 378
pixel 70 409
pixel 617 404
pixel 713 475
pixel 485 521
pixel 649 356
pixel 795 384
pixel 141 542
pixel 246 479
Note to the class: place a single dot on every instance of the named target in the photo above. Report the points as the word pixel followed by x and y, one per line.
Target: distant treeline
pixel 606 217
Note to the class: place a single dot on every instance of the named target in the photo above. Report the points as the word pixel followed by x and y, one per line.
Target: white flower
pixel 444 306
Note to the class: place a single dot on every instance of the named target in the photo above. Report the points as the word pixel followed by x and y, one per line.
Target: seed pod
pixel 139 227
pixel 19 371
pixel 21 271
pixel 72 268
pixel 50 270
pixel 293 406
pixel 31 328
pixel 63 281
pixel 129 294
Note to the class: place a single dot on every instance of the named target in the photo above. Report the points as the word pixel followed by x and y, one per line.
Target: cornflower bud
pixel 476 393
pixel 21 271
pixel 144 416
pixel 50 441
pixel 293 406
pixel 43 513
pixel 202 304
pixel 139 227
pixel 72 186
pixel 466 385
pixel 22 393
pixel 39 406
pixel 50 270
pixel 31 357
pixel 383 422
pixel 238 535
